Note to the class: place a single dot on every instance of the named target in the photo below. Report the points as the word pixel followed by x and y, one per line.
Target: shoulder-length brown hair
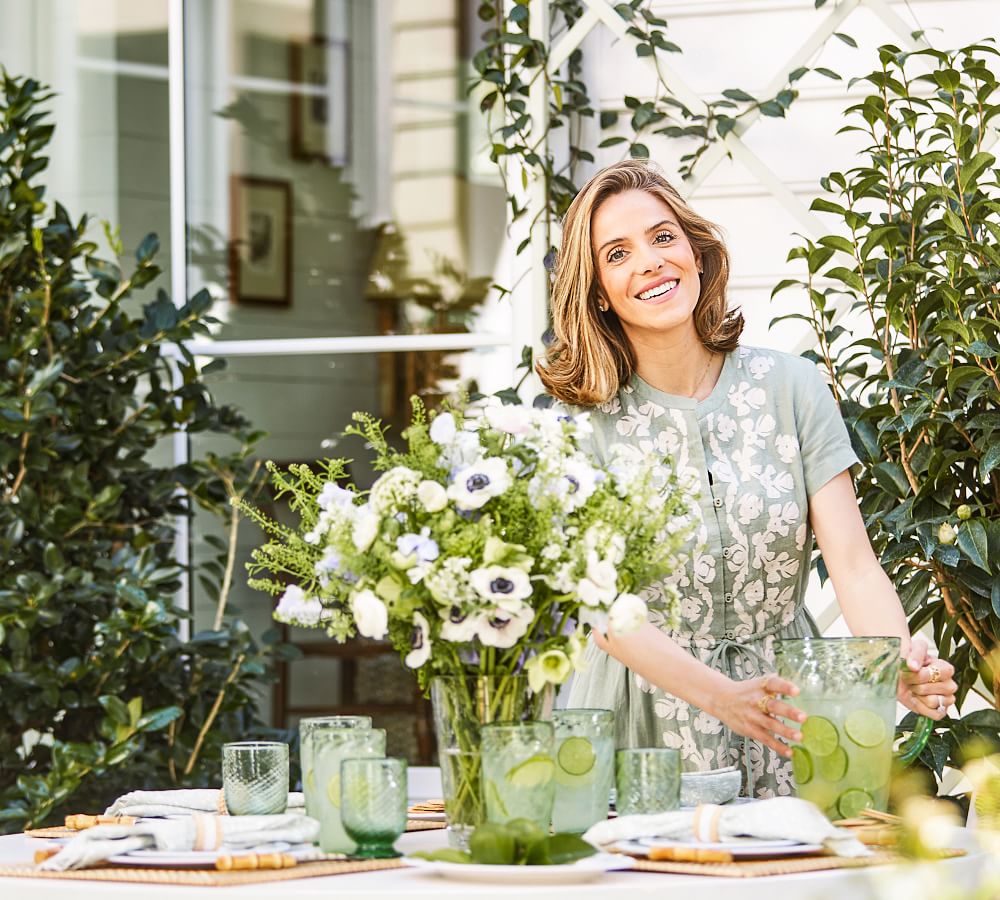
pixel 591 356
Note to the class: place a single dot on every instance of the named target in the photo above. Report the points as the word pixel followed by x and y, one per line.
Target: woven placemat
pixel 204 877
pixel 756 868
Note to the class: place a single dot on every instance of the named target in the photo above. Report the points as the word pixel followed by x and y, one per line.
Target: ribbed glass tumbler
pixel 373 804
pixel 648 780
pixel 255 777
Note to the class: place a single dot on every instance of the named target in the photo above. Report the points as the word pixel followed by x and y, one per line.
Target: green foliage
pixel 519 842
pixel 513 60
pixel 100 692
pixel 904 303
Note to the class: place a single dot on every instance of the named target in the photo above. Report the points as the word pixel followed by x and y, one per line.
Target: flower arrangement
pixel 489 545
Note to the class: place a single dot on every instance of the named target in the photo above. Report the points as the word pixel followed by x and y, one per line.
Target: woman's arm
pixel 867 598
pixel 659 660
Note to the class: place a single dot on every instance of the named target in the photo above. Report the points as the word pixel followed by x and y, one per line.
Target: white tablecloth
pixel 956 877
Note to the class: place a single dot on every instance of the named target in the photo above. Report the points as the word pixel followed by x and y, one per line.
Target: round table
pixel 958 876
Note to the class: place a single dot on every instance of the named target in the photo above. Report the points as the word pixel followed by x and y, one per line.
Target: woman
pixel 644 340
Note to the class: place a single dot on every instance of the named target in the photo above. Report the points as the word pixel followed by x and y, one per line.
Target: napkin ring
pixel 705 824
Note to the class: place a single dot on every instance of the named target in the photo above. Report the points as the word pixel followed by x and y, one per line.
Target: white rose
pixel 370 614
pixel 512 419
pixel 627 613
pixel 601 572
pixel 432 496
pixel 591 594
pixel 365 529
pixel 443 429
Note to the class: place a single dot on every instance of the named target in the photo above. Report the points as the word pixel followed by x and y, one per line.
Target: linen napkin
pixel 780 818
pixel 199 831
pixel 183 803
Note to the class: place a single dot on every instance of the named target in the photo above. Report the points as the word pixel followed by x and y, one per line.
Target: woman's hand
pixel 926 685
pixel 752 708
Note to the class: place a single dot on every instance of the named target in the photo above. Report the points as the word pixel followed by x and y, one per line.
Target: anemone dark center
pixel 477 482
pixel 501 586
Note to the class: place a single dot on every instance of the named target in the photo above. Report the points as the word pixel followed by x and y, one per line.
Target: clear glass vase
pixel 462 705
pixel 848 691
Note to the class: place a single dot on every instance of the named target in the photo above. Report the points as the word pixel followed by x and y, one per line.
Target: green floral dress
pixel 764 441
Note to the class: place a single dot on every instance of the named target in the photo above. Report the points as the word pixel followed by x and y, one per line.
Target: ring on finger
pixel 764 704
pixel 935 673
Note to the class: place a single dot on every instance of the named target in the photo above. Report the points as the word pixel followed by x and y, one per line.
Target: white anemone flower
pixel 504 586
pixel 578 483
pixel 627 613
pixel 457 626
pixel 370 614
pixel 509 418
pixel 365 529
pixel 295 608
pixel 432 496
pixel 503 628
pixel 420 641
pixel 477 484
pixel 550 667
pixel 443 429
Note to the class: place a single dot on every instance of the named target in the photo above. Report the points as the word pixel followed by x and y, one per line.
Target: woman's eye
pixel 616 255
pixel 664 237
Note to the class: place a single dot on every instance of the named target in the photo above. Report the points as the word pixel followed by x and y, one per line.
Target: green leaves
pixel 518 842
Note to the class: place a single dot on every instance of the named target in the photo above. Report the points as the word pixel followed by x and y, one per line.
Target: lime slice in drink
pixel 865 728
pixel 802 767
pixel 576 756
pixel 819 736
pixel 333 790
pixel 852 801
pixel 535 771
pixel 832 767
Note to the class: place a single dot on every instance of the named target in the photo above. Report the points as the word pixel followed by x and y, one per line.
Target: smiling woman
pixel 646 342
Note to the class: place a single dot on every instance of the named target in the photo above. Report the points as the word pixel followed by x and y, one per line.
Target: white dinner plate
pixel 426 816
pixel 573 873
pixel 206 858
pixel 738 847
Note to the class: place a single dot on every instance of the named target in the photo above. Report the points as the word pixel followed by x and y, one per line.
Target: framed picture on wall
pixel 321 104
pixel 260 246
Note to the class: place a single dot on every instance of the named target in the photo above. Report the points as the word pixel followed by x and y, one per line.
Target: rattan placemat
pixel 204 877
pixel 756 868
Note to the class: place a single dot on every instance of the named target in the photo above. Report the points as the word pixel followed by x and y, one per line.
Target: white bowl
pixel 712 786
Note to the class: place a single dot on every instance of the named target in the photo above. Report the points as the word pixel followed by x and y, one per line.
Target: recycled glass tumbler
pixel 331 746
pixel 518 771
pixel 255 777
pixel 306 729
pixel 648 780
pixel 585 767
pixel 373 804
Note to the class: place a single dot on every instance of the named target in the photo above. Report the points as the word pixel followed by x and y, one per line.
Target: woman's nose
pixel 649 261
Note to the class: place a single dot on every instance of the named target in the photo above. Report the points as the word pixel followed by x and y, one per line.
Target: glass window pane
pixel 106 60
pixel 328 179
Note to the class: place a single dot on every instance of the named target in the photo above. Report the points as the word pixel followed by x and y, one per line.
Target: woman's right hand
pixel 741 705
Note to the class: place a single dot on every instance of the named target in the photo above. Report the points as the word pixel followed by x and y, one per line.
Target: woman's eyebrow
pixel 621 240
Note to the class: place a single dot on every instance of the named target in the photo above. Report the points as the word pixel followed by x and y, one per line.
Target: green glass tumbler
pixel 585 767
pixel 306 729
pixel 331 746
pixel 518 771
pixel 373 804
pixel 648 780
pixel 255 777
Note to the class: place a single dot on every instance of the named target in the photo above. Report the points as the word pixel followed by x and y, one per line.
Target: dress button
pixel 730 634
pixel 725 553
pixel 717 502
pixel 728 598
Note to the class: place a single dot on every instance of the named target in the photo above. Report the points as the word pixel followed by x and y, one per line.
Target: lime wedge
pixel 852 801
pixel 576 756
pixel 333 790
pixel 819 736
pixel 802 767
pixel 535 771
pixel 865 728
pixel 832 767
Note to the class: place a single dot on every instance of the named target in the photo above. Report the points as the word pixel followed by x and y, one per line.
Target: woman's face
pixel 646 267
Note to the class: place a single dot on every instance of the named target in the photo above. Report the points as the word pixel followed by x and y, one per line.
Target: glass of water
pixel 255 777
pixel 518 771
pixel 585 767
pixel 306 729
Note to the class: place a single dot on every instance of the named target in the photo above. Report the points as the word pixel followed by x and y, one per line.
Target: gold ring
pixel 764 704
pixel 935 674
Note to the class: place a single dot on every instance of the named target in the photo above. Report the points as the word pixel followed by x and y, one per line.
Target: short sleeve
pixel 823 439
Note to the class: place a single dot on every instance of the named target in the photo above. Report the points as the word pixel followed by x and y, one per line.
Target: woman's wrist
pixel 709 693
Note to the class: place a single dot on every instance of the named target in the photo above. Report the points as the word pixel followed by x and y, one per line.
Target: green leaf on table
pixel 492 845
pixel 567 848
pixel 445 854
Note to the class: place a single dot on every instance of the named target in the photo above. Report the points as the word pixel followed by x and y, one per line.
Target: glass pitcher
pixel 847 688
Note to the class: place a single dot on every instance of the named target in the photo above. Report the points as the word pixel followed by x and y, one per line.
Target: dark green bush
pixel 100 693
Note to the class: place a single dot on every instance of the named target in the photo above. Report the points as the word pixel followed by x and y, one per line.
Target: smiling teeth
pixel 655 292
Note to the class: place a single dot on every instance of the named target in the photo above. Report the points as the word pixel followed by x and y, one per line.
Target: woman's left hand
pixel 926 686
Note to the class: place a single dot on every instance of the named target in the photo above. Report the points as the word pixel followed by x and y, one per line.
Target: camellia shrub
pixel 905 302
pixel 100 694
